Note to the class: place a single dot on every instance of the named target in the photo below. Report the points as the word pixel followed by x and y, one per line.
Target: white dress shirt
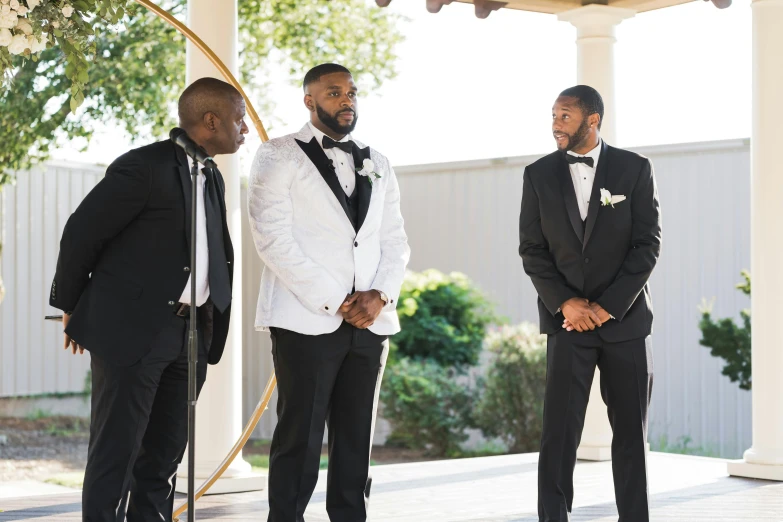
pixel 583 177
pixel 202 249
pixel 343 162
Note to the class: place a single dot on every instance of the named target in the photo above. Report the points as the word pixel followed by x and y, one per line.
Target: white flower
pixel 5 37
pixel 67 11
pixel 14 4
pixel 8 21
pixel 32 4
pixel 21 11
pixel 4 1
pixel 18 44
pixel 24 26
pixel 368 170
pixel 37 44
pixel 56 24
pixel 5 10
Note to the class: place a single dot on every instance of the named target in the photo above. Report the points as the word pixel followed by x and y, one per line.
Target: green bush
pixel 729 341
pixel 512 405
pixel 426 407
pixel 444 318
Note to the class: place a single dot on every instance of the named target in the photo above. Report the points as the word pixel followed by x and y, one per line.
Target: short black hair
pixel 314 74
pixel 590 101
pixel 202 96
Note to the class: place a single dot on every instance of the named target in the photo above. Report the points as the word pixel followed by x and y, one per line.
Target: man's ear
pixel 309 102
pixel 211 121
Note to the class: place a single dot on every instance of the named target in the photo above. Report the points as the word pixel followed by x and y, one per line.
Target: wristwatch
pixel 384 297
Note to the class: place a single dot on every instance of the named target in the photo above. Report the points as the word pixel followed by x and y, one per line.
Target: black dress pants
pixel 626 387
pixel 138 430
pixel 329 379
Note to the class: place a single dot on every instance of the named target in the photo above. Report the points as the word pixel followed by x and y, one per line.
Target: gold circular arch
pixel 272 383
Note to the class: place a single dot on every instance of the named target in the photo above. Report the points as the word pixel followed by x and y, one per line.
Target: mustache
pixel 345 111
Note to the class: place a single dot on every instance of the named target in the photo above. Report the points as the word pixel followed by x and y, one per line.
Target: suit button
pixel 186 269
pixel 326 307
pixel 356 243
pixel 587 260
pixel 171 303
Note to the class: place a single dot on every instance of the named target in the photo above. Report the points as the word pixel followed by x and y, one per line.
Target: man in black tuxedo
pixel 123 280
pixel 590 236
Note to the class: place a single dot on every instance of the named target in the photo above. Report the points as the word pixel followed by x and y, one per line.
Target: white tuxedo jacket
pixel 312 254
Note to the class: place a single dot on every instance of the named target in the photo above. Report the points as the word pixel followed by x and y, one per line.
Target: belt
pixel 182 310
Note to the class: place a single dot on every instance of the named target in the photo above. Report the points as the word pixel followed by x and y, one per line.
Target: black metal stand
pixel 192 352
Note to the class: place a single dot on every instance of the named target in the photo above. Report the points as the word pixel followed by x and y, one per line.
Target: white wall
pixel 459 216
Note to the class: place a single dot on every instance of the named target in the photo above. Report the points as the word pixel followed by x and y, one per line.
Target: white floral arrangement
pixel 368 170
pixel 28 27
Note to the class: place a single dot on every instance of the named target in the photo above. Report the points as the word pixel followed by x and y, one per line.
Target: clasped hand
pixel 582 315
pixel 361 309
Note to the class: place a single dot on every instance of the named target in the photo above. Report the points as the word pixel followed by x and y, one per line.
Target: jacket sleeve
pixel 550 284
pixel 114 202
pixel 395 252
pixel 270 213
pixel 641 259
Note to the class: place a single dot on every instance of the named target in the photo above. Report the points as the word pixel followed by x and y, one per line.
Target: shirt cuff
pixel 333 305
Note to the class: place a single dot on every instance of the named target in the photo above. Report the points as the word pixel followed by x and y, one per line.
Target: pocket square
pixel 608 199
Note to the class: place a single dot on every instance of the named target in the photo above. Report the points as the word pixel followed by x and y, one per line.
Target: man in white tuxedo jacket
pixel 325 217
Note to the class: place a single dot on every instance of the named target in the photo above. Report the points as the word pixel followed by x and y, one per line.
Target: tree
pixel 729 341
pixel 137 72
pixel 138 68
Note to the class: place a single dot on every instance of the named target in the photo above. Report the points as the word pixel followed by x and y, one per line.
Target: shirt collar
pixel 595 153
pixel 320 135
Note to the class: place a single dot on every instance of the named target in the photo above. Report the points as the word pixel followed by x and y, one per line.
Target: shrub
pixel 426 407
pixel 444 318
pixel 512 405
pixel 729 341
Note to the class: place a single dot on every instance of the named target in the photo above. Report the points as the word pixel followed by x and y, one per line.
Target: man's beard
pixel 331 121
pixel 579 136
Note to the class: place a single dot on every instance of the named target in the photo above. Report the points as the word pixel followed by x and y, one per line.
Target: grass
pixel 682 446
pixel 69 480
pixel 38 414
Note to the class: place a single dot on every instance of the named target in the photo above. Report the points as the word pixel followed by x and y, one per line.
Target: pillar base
pixel 594 453
pixel 740 468
pixel 235 484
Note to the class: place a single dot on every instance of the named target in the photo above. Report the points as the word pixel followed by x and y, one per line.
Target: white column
pixel 219 410
pixel 595 67
pixel 764 460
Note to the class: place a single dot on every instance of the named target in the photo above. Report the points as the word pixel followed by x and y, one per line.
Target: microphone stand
pixel 192 351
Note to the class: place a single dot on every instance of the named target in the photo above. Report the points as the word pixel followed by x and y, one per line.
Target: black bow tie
pixel 345 146
pixel 571 159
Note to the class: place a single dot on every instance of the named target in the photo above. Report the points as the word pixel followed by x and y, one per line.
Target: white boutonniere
pixel 368 170
pixel 608 199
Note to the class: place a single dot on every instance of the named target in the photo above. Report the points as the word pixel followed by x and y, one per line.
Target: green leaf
pixel 83 76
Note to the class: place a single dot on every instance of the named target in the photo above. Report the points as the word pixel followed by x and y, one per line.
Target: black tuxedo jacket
pixel 125 256
pixel 609 259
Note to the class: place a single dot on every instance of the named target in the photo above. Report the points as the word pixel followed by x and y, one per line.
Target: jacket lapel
pixel 186 182
pixel 595 196
pixel 569 195
pixel 326 168
pixel 363 186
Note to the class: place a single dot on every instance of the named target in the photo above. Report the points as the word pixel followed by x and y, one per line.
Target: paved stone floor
pixel 503 488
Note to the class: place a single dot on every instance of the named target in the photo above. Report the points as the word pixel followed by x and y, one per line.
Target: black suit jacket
pixel 610 259
pixel 124 256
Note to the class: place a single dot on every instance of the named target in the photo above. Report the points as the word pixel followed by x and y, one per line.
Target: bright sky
pixel 470 88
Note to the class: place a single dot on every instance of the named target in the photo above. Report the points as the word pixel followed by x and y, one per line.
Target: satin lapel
pixel 569 195
pixel 595 196
pixel 363 186
pixel 186 182
pixel 326 168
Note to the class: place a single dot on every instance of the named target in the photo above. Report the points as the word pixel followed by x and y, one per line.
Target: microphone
pixel 191 148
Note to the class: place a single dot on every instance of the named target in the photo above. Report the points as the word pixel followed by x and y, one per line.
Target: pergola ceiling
pixel 485 7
